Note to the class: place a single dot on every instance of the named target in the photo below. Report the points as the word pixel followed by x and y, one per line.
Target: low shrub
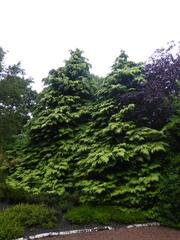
pixel 130 216
pixel 15 219
pixel 105 215
pixel 10 230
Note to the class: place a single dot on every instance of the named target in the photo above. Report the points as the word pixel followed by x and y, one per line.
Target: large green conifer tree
pixel 48 158
pixel 124 160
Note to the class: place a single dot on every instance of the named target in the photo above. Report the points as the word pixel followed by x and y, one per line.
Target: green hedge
pixel 105 215
pixel 14 220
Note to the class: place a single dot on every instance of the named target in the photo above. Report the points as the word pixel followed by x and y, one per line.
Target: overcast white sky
pixel 39 33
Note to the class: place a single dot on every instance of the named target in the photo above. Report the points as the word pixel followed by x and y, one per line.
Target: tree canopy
pixel 16 100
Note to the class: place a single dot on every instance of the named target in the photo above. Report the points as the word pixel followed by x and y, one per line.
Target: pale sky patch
pixel 39 33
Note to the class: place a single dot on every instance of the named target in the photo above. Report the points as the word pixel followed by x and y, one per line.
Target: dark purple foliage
pixel 162 72
pixel 154 97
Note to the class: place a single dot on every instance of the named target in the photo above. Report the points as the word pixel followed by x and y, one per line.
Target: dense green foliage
pixel 170 183
pixel 121 164
pixel 102 140
pixel 14 220
pixel 62 107
pixel 16 101
pixel 77 143
pixel 105 215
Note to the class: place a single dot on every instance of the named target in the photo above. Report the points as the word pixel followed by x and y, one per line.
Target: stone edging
pixel 152 224
pixel 53 234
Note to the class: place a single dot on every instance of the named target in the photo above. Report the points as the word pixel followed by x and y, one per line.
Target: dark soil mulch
pixel 64 225
pixel 3 205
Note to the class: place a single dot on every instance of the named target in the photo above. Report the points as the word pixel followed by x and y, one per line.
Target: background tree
pixel 16 101
pixel 1 61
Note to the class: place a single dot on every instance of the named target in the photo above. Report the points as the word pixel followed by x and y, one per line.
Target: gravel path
pixel 145 233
